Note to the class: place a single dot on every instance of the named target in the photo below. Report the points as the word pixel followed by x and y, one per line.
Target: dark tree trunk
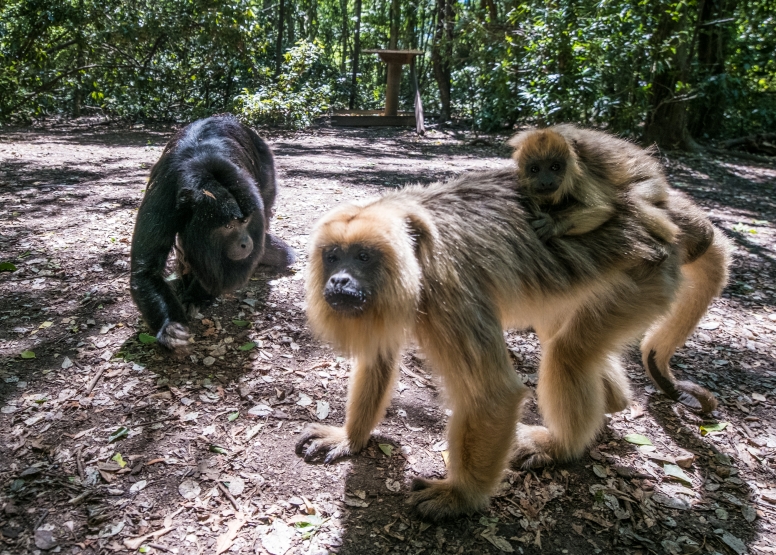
pixel 290 31
pixel 411 31
pixel 344 8
pixel 566 68
pixel 79 61
pixel 442 54
pixel 666 122
pixel 393 41
pixel 77 92
pixel 279 43
pixel 490 7
pixel 356 54
pixel 714 31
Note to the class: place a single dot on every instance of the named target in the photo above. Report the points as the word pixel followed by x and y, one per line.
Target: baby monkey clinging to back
pixel 579 178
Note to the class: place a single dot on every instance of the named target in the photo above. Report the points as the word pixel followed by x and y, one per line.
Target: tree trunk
pixel 77 92
pixel 393 41
pixel 79 61
pixel 356 54
pixel 490 7
pixel 442 54
pixel 666 122
pixel 290 34
pixel 279 43
pixel 343 60
pixel 714 32
pixel 411 31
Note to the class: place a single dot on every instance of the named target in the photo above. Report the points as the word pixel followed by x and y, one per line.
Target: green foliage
pixel 300 93
pixel 602 62
pixel 172 59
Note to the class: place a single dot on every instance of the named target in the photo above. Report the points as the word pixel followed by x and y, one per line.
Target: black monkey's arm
pixel 152 241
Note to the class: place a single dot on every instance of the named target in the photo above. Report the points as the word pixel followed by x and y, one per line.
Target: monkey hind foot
pixel 688 393
pixel 329 442
pixel 436 500
pixel 533 448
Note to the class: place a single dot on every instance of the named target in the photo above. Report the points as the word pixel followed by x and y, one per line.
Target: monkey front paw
pixel 435 500
pixel 331 440
pixel 533 448
pixel 174 337
pixel 544 226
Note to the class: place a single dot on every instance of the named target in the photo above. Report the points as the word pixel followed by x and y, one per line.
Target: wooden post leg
pixel 392 89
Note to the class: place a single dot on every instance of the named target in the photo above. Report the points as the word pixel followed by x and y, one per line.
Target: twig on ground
pixel 94 381
pixel 228 495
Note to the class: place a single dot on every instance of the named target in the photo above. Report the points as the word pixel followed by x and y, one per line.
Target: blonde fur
pixel 602 172
pixel 461 261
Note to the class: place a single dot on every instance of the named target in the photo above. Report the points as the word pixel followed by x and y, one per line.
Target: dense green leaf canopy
pixel 704 67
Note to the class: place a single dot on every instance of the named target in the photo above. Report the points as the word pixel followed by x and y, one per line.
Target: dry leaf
pixel 226 539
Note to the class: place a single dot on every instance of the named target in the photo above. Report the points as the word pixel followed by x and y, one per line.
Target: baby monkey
pixel 577 179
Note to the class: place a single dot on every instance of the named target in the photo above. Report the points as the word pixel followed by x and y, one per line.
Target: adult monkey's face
pixel 350 273
pixel 235 238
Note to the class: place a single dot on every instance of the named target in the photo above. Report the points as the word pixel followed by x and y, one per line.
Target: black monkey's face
pixel 545 176
pixel 351 272
pixel 235 238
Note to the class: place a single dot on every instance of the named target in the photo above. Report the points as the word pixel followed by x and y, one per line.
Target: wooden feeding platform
pixel 372 118
pixel 390 116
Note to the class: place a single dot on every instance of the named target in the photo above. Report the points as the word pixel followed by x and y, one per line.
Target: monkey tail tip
pixel 696 397
pixel 688 393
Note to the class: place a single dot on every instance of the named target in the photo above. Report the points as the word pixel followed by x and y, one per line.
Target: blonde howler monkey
pixel 453 264
pixel 578 178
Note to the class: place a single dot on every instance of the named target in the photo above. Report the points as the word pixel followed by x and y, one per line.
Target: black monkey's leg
pixel 277 253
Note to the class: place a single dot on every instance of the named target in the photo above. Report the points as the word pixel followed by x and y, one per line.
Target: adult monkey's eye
pixel 555 167
pixel 330 257
pixel 534 169
pixel 363 256
pixel 230 225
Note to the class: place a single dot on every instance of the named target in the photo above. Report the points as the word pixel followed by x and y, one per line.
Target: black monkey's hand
pixel 174 337
pixel 544 226
pixel 331 440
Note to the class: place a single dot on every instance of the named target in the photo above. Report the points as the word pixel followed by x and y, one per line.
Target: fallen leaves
pixel 279 538
pixel 146 338
pixel 134 543
pixel 189 489
pixel 638 439
pixel 674 471
pixel 712 428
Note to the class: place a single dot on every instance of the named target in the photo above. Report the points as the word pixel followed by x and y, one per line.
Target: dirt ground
pixel 107 445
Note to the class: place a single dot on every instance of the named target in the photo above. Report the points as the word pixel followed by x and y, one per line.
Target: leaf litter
pixel 219 426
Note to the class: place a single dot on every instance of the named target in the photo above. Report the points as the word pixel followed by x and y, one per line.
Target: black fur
pixel 213 172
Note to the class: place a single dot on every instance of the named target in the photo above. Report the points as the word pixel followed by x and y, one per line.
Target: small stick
pixel 228 495
pixel 80 464
pixel 159 547
pixel 152 422
pixel 94 381
pixel 41 519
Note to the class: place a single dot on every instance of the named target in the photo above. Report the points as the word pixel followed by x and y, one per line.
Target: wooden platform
pixel 372 118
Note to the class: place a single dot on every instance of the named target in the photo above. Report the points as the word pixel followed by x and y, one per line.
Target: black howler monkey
pixel 210 196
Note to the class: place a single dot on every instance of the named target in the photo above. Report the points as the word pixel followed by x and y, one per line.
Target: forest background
pixel 670 72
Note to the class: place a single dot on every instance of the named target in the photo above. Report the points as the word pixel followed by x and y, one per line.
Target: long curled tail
pixel 704 274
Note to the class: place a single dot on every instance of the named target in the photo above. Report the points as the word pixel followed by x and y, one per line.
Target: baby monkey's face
pixel 544 176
